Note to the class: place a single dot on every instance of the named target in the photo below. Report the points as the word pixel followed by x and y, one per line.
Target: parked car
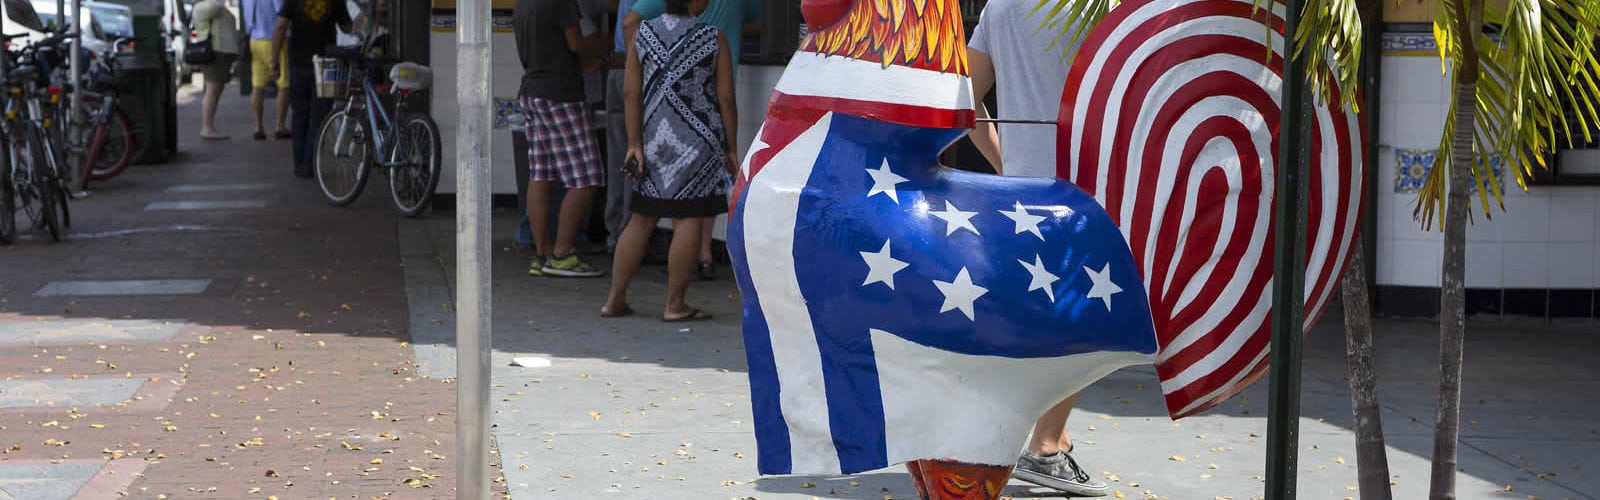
pixel 175 25
pixel 105 23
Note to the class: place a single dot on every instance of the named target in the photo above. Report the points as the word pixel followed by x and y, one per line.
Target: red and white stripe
pixel 1168 119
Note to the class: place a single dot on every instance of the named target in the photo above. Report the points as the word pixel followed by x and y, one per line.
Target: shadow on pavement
pixel 1526 415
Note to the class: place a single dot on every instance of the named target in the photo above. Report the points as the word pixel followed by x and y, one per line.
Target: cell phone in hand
pixel 631 167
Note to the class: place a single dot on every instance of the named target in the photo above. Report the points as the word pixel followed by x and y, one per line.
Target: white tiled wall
pixel 1548 237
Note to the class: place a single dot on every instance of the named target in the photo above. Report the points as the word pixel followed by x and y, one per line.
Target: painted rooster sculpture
pixel 897 311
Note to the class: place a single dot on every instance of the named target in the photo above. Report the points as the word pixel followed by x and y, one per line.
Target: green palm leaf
pixel 1538 83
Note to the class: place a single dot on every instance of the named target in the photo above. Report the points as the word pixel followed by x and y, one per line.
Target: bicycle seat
pixel 22 73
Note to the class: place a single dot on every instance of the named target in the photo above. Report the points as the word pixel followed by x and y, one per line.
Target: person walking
pixel 261 18
pixel 314 23
pixel 560 144
pixel 682 124
pixel 1008 52
pixel 734 18
pixel 215 25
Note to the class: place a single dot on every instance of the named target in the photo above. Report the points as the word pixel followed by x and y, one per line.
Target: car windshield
pixel 113 21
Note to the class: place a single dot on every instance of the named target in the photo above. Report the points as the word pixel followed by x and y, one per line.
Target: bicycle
pixel 33 181
pixel 100 137
pixel 405 142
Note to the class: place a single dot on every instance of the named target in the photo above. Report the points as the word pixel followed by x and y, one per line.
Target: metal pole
pixel 74 140
pixel 473 299
pixel 1017 122
pixel 1288 281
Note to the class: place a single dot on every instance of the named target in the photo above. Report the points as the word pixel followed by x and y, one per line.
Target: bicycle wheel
pixel 116 145
pixel 413 182
pixel 342 160
pixel 45 183
pixel 64 213
pixel 8 203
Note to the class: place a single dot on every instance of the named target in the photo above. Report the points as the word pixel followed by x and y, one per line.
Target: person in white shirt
pixel 213 23
pixel 1010 53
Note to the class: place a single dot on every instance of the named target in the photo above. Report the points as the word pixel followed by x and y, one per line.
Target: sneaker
pixel 571 266
pixel 1058 471
pixel 537 267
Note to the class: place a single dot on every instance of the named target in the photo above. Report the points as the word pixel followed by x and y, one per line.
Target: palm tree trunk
pixel 1372 461
pixel 1452 290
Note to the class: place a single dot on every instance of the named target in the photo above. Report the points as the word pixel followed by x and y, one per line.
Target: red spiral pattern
pixel 1170 118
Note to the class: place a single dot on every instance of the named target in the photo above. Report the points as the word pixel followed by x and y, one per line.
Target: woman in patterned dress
pixel 682 125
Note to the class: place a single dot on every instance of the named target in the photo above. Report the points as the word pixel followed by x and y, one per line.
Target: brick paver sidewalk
pixel 271 360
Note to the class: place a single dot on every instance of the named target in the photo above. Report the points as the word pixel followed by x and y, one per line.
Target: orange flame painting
pixel 926 34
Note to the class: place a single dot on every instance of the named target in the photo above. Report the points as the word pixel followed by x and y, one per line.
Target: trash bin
pixel 149 105
pixel 151 99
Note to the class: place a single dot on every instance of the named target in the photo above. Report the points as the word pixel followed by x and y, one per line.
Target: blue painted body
pixel 838 220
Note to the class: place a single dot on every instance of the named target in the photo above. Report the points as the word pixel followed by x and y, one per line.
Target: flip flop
pixel 218 137
pixel 695 314
pixel 261 136
pixel 282 135
pixel 625 311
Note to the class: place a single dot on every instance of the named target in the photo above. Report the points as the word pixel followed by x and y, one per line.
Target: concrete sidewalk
pixel 211 328
pixel 635 408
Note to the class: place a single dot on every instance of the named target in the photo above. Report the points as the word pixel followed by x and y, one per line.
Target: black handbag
pixel 199 52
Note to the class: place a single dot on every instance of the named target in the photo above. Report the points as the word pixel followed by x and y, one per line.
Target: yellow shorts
pixel 260 56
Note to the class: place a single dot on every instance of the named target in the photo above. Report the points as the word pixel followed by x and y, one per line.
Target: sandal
pixel 625 311
pixel 695 314
pixel 707 271
pixel 282 134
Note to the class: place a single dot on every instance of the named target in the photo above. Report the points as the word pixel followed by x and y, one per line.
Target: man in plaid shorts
pixel 560 143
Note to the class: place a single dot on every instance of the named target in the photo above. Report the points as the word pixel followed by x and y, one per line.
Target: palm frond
pixel 1071 20
pixel 1538 85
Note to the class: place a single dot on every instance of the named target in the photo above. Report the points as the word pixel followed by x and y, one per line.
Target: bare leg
pixel 208 108
pixel 1050 431
pixel 283 110
pixel 539 216
pixel 625 262
pixel 681 263
pixel 707 224
pixel 258 97
pixel 573 207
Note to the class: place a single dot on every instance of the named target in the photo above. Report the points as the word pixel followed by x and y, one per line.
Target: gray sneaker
pixel 571 266
pixel 1058 471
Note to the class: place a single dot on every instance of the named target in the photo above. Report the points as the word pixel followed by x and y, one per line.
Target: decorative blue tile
pixel 1409 42
pixel 504 109
pixel 1411 167
pixel 1416 43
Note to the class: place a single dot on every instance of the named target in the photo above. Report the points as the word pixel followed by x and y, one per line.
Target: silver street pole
pixel 473 307
pixel 76 68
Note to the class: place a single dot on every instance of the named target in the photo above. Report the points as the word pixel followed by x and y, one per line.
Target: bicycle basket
pixel 411 76
pixel 333 77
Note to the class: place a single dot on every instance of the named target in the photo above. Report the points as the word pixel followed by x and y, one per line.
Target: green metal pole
pixel 1288 282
